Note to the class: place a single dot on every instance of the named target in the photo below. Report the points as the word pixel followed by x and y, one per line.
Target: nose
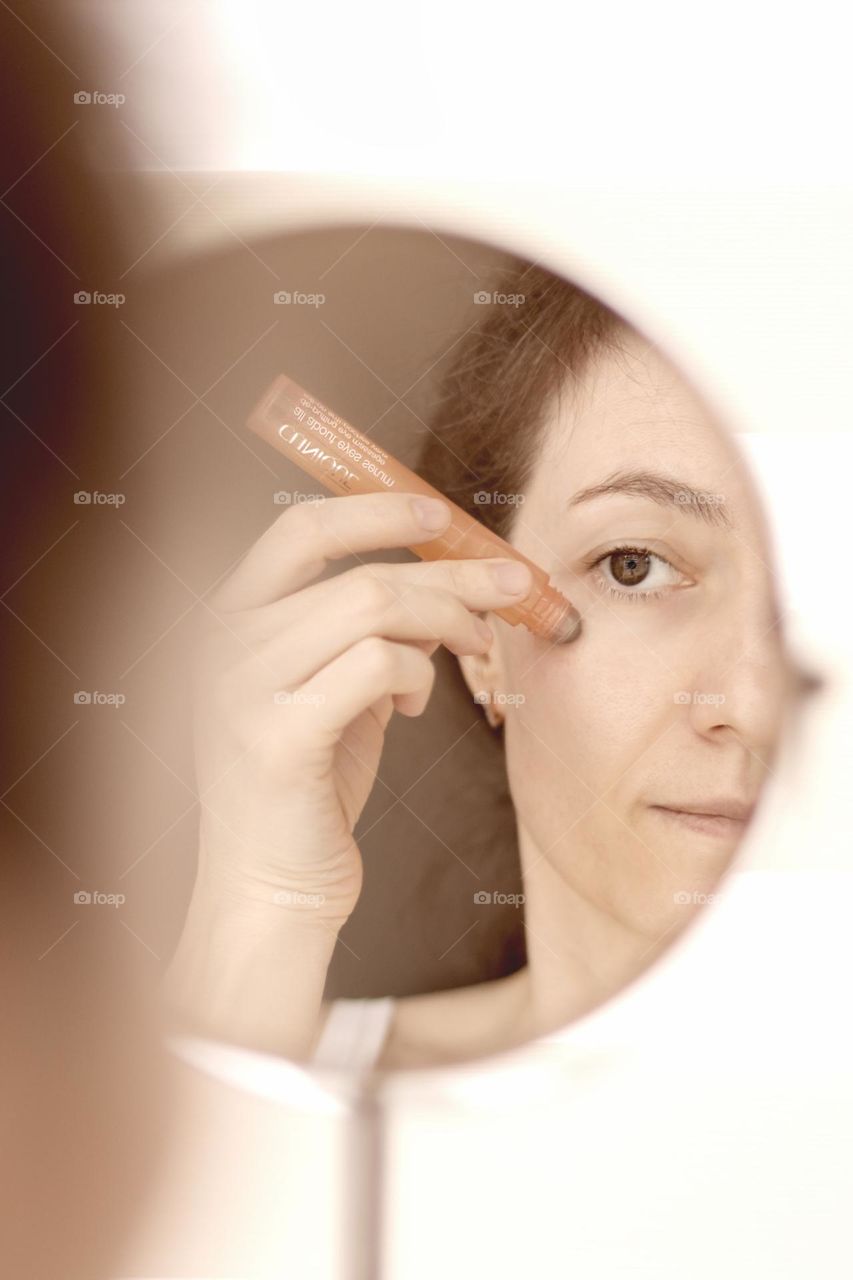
pixel 744 680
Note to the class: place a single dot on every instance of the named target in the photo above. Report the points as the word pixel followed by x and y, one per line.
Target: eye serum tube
pixel 346 461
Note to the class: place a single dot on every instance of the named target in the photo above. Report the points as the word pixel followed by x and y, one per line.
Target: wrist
pixel 240 879
pixel 249 970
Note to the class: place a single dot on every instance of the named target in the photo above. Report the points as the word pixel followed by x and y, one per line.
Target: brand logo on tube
pixel 308 449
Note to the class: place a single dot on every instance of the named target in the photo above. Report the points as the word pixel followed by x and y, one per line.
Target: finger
pixel 369 670
pixel 474 582
pixel 382 600
pixel 373 609
pixel 302 541
pixel 412 704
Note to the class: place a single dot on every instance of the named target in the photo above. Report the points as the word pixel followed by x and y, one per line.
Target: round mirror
pixel 399 869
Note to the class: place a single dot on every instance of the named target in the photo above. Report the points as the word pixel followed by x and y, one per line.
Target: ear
pixel 484 672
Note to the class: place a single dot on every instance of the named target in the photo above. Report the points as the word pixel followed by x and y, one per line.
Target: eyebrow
pixel 666 491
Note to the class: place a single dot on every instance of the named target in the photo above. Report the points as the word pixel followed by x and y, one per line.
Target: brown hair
pixel 496 395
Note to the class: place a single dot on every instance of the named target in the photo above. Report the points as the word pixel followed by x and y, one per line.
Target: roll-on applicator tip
pixel 570 628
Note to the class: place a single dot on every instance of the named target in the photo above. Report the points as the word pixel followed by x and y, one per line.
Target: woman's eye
pixel 635 572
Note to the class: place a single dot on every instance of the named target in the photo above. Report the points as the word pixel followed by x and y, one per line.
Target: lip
pixel 719 817
pixel 716 807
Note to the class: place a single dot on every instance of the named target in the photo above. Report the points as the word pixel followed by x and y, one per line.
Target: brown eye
pixel 629 567
pixel 636 573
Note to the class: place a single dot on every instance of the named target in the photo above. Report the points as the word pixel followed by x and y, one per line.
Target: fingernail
pixel 431 513
pixel 512 576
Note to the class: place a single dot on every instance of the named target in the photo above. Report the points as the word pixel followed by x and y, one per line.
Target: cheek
pixel 590 708
pixel 578 749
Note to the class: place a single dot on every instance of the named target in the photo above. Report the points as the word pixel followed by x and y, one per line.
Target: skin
pixel 599 737
pixel 595 734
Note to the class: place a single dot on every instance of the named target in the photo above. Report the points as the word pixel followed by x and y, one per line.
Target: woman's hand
pixel 294 686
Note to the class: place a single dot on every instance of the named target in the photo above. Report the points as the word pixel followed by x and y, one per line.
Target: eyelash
pixel 626 593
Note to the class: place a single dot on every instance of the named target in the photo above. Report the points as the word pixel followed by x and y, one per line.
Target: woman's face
pixel 672 696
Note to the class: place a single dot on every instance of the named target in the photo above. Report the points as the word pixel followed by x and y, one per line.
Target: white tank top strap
pixel 354 1033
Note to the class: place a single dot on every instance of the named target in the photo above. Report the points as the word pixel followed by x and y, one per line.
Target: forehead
pixel 634 410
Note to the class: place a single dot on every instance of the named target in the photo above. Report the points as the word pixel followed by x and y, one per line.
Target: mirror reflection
pixel 422 842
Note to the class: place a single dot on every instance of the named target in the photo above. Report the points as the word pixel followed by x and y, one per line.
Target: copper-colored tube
pixel 346 461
